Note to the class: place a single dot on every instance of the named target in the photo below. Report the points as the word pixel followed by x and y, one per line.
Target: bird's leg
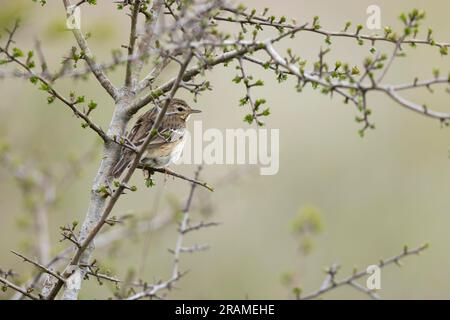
pixel 165 175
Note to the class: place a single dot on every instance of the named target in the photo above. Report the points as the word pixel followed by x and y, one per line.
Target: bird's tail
pixel 122 164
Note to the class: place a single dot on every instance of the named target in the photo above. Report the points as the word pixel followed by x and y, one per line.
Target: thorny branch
pixel 141 226
pixel 254 19
pixel 77 274
pixel 176 175
pixel 46 86
pixel 19 289
pixel 184 227
pixel 40 266
pixel 331 283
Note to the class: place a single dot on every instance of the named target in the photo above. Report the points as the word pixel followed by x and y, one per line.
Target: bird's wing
pixel 142 128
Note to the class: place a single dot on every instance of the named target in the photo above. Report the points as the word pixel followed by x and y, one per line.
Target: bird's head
pixel 180 108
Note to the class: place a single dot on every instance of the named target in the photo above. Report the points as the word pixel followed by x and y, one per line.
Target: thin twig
pixel 40 266
pixel 132 41
pixel 176 175
pixel 59 96
pixel 89 57
pixel 332 284
pixel 23 291
pixel 119 191
pixel 176 274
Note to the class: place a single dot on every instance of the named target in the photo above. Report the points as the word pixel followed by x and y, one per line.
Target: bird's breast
pixel 165 154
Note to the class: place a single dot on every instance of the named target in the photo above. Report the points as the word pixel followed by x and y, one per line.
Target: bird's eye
pixel 180 109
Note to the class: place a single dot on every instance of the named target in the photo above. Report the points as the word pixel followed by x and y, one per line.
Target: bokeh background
pixel 374 195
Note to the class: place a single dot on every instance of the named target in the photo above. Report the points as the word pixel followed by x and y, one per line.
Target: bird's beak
pixel 194 111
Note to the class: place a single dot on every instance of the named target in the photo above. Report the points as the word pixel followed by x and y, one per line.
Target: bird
pixel 167 146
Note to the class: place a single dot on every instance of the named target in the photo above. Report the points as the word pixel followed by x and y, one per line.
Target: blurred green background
pixel 374 194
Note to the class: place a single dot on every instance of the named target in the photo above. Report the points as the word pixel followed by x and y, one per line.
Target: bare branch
pixel 147 40
pixel 40 266
pixel 104 277
pixel 60 97
pixel 443 116
pixel 330 283
pixel 176 274
pixel 23 291
pixel 88 56
pixel 132 42
pixel 199 226
pixel 174 174
pixel 183 227
pixel 365 290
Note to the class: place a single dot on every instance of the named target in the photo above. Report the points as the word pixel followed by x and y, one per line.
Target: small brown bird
pixel 167 146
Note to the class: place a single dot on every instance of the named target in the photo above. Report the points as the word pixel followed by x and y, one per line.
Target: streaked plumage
pixel 164 149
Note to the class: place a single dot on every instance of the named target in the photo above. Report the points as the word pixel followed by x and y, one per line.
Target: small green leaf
pixel 92 105
pixel 297 292
pixel 149 182
pixel 355 70
pixel 80 99
pixel 34 79
pixel 266 112
pixel 17 53
pixel 248 118
pixel 347 25
pixel 44 87
pixel 259 102
pixel 436 73
pixel 50 99
pixel 403 18
pixel 237 79
pixel 243 101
